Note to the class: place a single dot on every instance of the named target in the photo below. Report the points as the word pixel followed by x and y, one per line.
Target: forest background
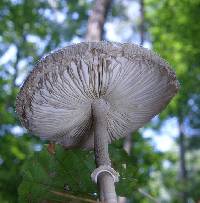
pixel 163 164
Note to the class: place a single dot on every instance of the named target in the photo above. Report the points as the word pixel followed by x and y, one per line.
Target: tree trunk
pixel 183 170
pixel 97 19
pixel 142 21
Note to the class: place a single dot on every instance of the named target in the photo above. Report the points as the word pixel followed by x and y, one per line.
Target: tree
pixel 32 28
pixel 175 39
pixel 28 30
pixel 97 19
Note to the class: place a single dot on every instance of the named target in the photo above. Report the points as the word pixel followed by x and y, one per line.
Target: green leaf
pixel 67 172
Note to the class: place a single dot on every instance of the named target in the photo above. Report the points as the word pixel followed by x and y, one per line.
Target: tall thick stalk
pixel 105 180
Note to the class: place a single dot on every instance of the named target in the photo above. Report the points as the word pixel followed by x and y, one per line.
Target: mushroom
pixel 89 94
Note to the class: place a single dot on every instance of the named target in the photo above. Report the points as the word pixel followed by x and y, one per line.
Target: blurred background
pixel 164 156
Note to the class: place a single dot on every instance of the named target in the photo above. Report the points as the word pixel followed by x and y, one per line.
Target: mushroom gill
pixel 56 99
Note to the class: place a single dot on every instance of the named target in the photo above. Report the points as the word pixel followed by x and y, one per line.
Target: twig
pixel 73 197
pixel 148 195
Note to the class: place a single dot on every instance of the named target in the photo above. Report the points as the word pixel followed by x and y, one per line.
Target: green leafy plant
pixel 66 175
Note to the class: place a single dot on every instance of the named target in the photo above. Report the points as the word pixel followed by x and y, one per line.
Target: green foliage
pixel 175 31
pixel 13 152
pixel 67 172
pixel 30 29
pixel 33 28
pixel 175 39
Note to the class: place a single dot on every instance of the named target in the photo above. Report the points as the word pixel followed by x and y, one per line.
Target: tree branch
pixel 142 26
pixel 73 197
pixel 183 170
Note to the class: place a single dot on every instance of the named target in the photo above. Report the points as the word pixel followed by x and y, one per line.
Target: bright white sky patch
pixel 164 139
pixel 22 67
pixel 161 142
pixel 17 130
pixel 37 147
pixel 54 15
pixel 111 34
pixel 8 55
pixel 170 127
pixel 76 40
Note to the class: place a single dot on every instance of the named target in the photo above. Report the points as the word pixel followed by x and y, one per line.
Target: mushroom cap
pixel 55 100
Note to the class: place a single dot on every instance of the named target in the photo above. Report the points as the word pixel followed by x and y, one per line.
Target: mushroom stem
pixel 105 180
